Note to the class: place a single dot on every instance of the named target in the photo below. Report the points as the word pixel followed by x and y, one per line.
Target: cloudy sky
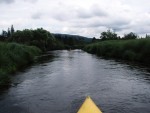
pixel 83 17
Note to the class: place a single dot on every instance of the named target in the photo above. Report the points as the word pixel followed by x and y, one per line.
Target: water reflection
pixel 47 57
pixel 61 80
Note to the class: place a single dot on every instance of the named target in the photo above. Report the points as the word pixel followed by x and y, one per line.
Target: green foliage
pixel 12 29
pixel 14 56
pixel 72 41
pixel 4 33
pixel 147 36
pixel 108 35
pixel 39 38
pixel 94 40
pixel 132 50
pixel 130 35
pixel 8 33
pixel 129 55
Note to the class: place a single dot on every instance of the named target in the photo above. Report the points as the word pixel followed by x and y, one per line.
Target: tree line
pixel 72 41
pixel 8 33
pixel 110 35
pixel 43 39
pixel 39 37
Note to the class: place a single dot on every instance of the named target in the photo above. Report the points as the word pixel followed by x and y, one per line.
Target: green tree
pixel 12 29
pixel 130 35
pixel 93 39
pixel 8 33
pixel 4 33
pixel 147 36
pixel 39 37
pixel 108 35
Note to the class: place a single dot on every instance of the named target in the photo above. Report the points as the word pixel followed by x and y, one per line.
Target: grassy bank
pixel 14 56
pixel 137 50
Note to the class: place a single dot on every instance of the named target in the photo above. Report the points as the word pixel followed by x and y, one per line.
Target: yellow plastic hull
pixel 89 107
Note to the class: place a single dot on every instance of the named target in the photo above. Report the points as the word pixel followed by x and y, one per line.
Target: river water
pixel 60 83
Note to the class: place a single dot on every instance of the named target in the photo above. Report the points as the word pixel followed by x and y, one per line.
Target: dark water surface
pixel 60 83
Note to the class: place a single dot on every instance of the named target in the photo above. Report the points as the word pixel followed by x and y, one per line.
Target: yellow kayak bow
pixel 89 107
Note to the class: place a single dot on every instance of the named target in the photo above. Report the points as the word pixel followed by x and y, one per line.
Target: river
pixel 60 83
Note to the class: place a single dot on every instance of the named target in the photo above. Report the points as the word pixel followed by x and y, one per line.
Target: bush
pixel 132 50
pixel 14 56
pixel 40 38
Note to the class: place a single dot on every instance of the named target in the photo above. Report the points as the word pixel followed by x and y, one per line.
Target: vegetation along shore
pixel 19 48
pixel 130 47
pixel 14 56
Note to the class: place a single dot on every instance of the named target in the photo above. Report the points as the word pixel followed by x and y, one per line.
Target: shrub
pixel 132 50
pixel 14 56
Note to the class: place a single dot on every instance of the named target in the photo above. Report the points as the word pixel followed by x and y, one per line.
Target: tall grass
pixel 137 50
pixel 14 56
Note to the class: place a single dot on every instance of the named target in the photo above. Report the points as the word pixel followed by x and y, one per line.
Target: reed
pixel 14 56
pixel 137 50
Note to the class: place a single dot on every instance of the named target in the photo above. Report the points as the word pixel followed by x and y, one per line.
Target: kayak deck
pixel 89 107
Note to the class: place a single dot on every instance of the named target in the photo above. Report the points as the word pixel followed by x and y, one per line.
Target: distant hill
pixel 76 38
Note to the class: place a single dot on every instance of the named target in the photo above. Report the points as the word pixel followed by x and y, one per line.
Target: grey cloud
pixel 86 23
pixel 12 1
pixel 94 11
pixel 119 25
pixel 98 11
pixel 90 14
pixel 93 18
pixel 141 30
pixel 63 15
pixel 36 15
pixel 84 14
pixel 96 23
pixel 79 14
pixel 119 28
pixel 115 24
pixel 31 1
pixel 59 17
pixel 7 1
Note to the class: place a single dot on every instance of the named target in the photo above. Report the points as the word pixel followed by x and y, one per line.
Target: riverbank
pixel 14 56
pixel 136 50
